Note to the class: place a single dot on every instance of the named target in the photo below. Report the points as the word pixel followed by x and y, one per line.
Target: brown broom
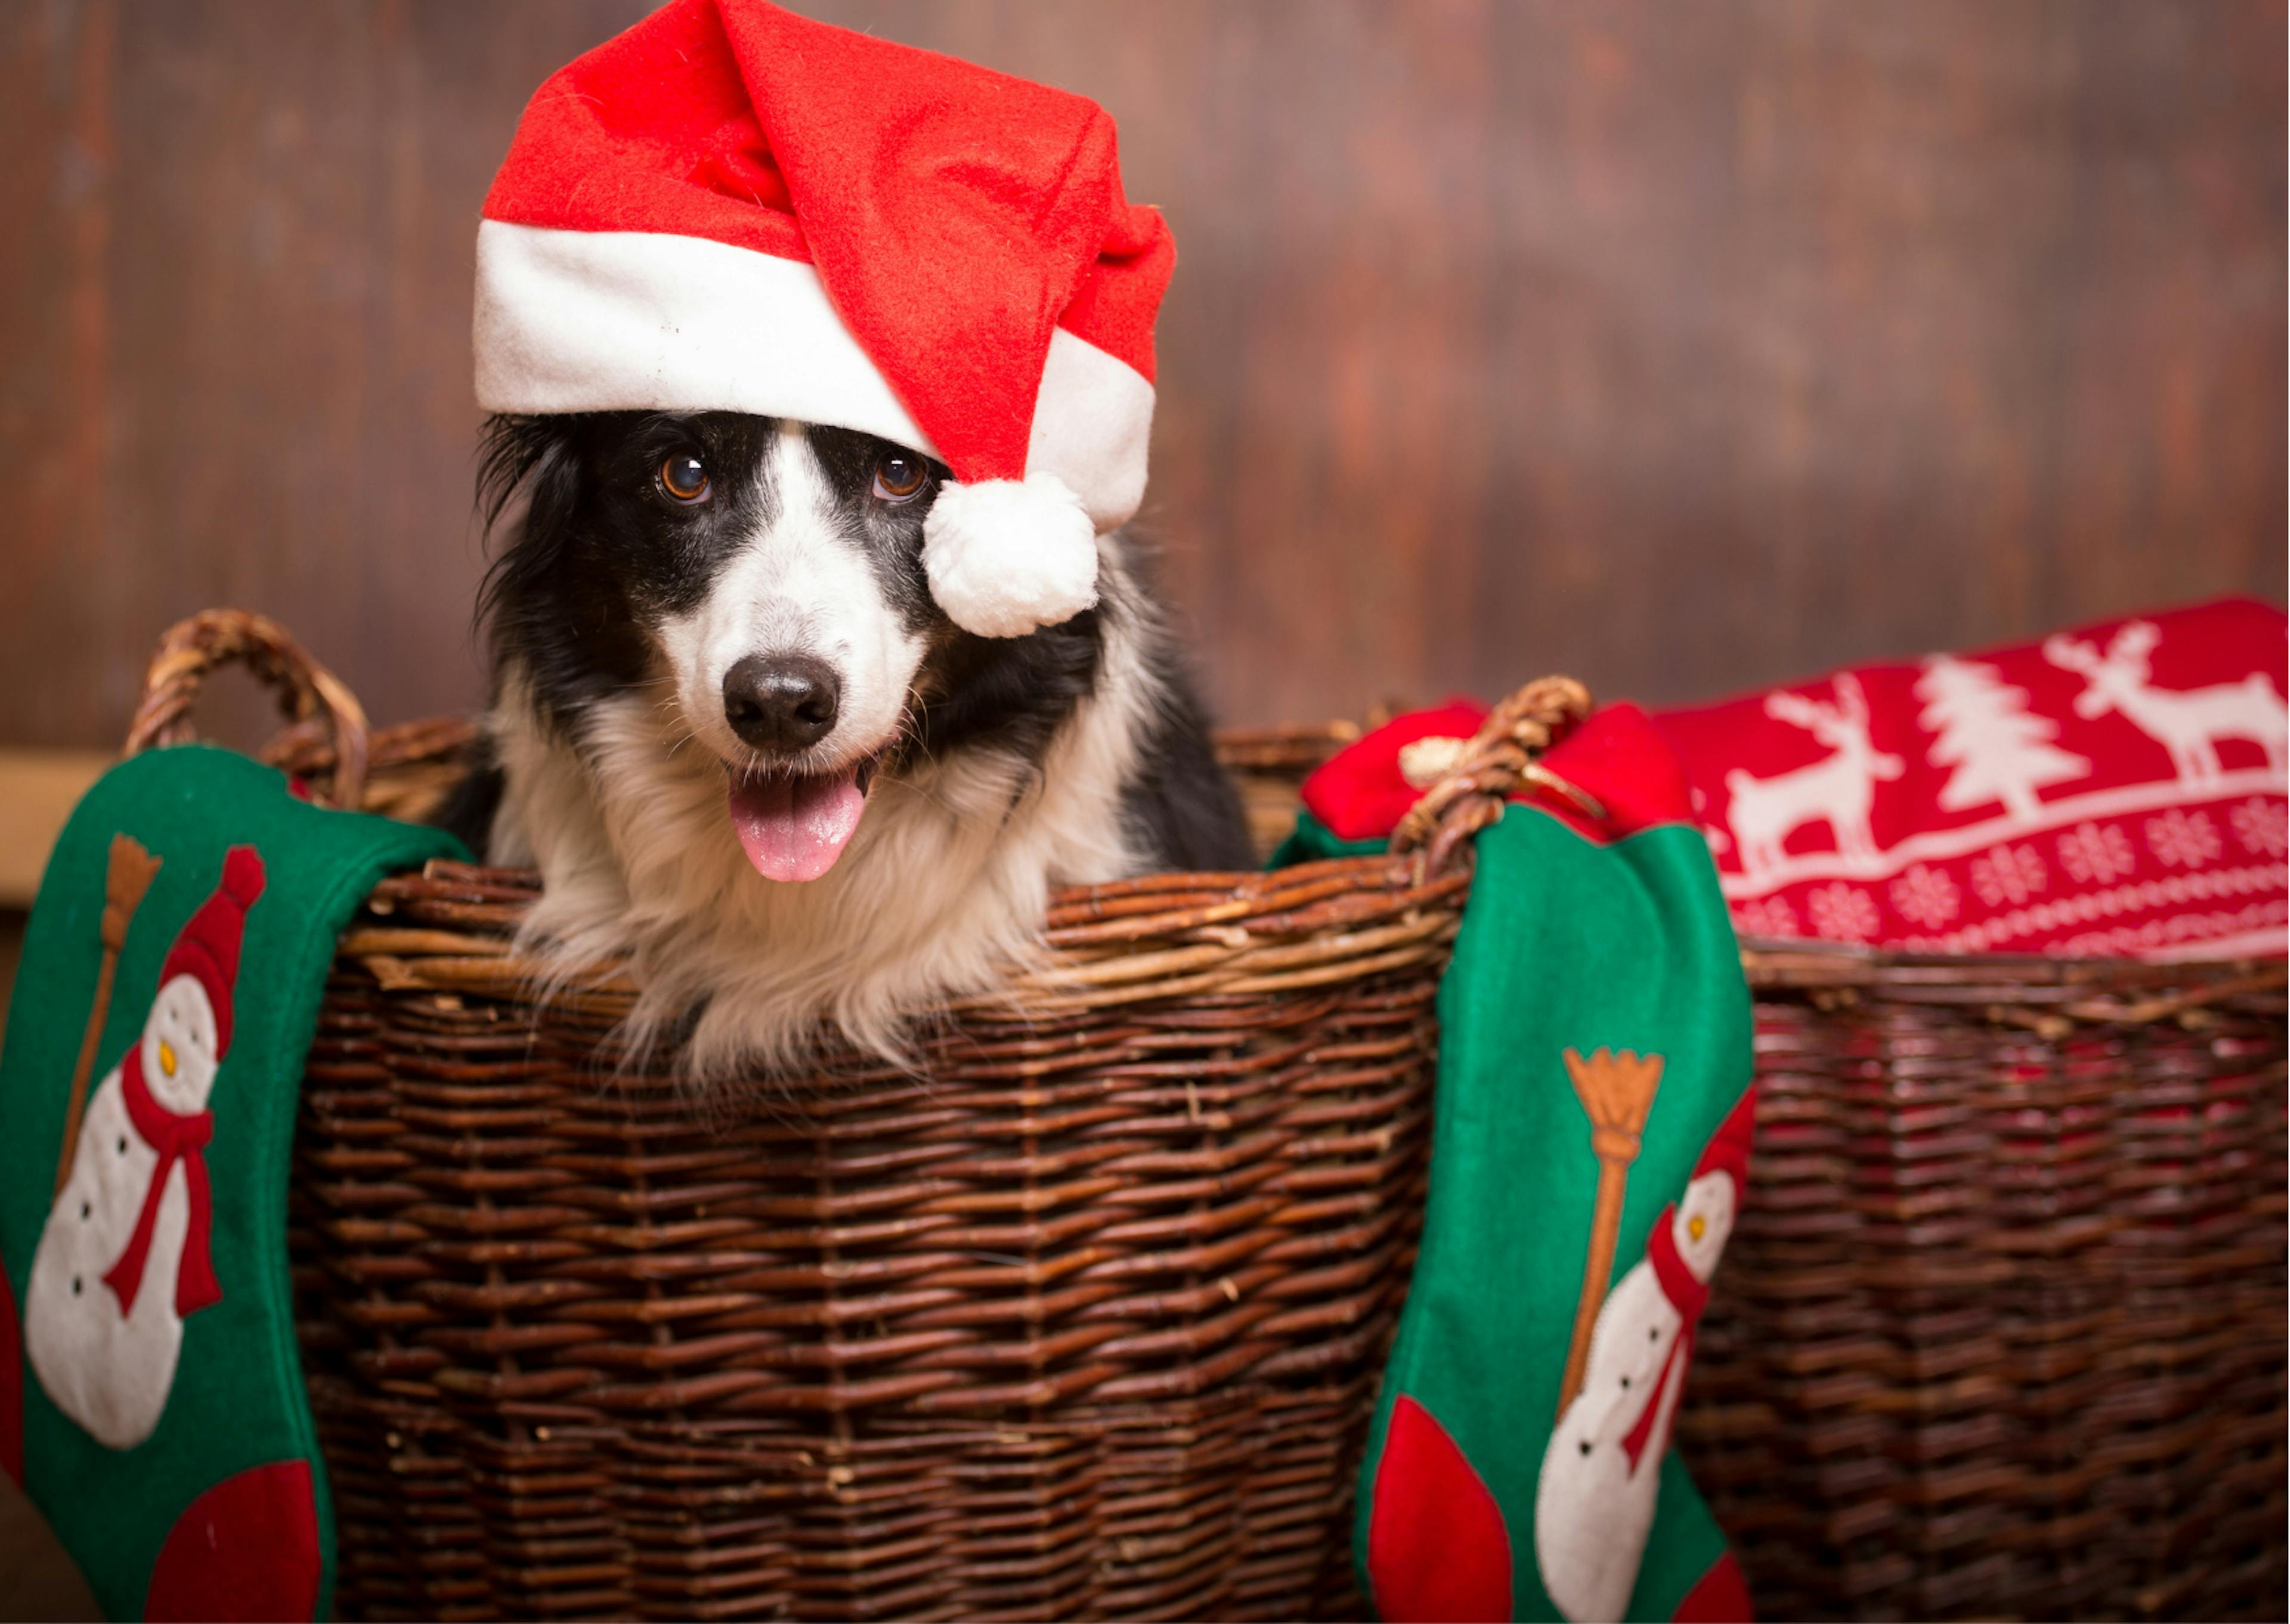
pixel 128 877
pixel 1616 1091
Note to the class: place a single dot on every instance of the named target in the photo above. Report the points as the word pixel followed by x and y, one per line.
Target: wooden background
pixel 1684 346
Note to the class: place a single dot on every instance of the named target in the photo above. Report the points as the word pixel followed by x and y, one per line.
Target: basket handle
pixel 1496 765
pixel 190 649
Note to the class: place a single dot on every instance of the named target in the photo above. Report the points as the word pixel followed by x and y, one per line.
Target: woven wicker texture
pixel 1086 1321
pixel 1082 1324
pixel 2000 1333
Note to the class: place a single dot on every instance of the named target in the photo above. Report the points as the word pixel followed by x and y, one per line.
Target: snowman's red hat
pixel 729 207
pixel 1729 1148
pixel 207 947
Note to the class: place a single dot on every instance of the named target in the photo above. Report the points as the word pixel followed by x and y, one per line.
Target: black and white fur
pixel 995 768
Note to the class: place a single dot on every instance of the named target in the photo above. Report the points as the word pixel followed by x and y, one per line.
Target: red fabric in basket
pixel 2115 790
pixel 1616 756
pixel 1360 793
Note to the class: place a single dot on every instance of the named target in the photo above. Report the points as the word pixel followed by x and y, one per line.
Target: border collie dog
pixel 823 367
pixel 745 748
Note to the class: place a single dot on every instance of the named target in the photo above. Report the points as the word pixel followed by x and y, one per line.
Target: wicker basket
pixel 1083 1322
pixel 1086 1322
pixel 2001 1331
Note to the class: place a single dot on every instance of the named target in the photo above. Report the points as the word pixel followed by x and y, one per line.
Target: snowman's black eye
pixel 123 1144
pixel 1626 1384
pixel 1586 1446
pixel 75 1285
pixel 84 1210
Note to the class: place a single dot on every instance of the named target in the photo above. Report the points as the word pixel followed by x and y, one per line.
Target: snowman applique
pixel 126 1253
pixel 1594 1503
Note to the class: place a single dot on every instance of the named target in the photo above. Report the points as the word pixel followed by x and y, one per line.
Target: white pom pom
pixel 1007 556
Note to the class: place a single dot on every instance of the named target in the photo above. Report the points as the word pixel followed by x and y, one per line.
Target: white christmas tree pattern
pixel 2000 750
pixel 2262 825
pixel 1925 896
pixel 2181 839
pixel 2008 873
pixel 1842 913
pixel 2094 853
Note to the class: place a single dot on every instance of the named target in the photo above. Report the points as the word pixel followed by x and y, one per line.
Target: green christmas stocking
pixel 169 989
pixel 1590 1149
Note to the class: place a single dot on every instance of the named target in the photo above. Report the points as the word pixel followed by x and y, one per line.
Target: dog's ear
pixel 536 456
pixel 514 450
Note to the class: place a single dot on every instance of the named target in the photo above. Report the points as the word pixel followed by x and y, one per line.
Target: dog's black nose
pixel 784 702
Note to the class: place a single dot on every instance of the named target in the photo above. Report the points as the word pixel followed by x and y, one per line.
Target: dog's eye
pixel 685 478
pixel 898 476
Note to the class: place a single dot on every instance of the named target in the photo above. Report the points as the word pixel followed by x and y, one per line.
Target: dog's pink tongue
pixel 795 828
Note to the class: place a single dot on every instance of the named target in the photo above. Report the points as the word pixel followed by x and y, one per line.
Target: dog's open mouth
pixel 793 826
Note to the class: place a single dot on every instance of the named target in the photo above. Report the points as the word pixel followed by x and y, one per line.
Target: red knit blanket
pixel 2119 789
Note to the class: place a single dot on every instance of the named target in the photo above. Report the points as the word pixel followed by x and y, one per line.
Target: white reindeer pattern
pixel 1840 790
pixel 2187 723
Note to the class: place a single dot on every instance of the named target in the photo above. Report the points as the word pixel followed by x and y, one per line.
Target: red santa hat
pixel 207 947
pixel 730 207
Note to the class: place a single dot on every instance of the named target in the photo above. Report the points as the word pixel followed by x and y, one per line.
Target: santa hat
pixel 730 207
pixel 207 947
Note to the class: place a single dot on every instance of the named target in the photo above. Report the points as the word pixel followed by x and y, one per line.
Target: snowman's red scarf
pixel 177 1138
pixel 1689 1296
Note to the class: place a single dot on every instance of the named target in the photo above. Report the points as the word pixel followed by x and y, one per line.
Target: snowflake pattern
pixel 2262 825
pixel 2180 839
pixel 2008 873
pixel 1925 896
pixel 1842 912
pixel 1767 917
pixel 2097 854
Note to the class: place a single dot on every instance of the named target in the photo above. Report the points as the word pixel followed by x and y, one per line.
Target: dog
pixel 750 755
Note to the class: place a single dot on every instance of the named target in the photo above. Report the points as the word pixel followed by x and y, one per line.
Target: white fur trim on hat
pixel 610 321
pixel 614 321
pixel 1007 556
pixel 1091 421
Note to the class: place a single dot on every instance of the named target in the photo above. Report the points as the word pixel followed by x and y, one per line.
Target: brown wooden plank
pixel 1685 347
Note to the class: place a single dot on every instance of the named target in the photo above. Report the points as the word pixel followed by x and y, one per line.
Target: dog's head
pixel 760 580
